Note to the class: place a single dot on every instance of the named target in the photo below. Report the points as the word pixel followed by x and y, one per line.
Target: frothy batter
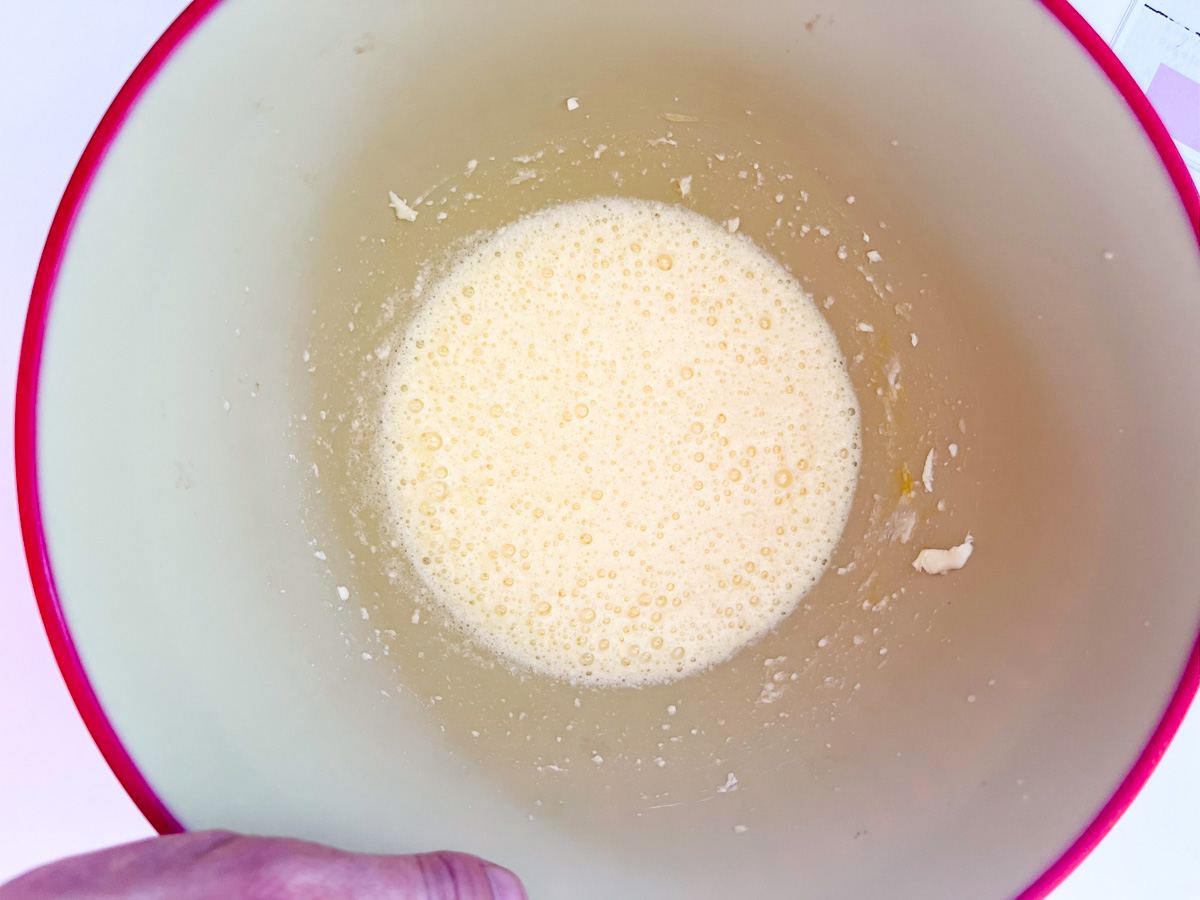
pixel 620 442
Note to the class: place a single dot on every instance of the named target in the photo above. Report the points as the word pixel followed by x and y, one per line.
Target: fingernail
pixel 505 885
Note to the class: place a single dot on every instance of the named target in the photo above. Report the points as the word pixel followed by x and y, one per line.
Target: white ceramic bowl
pixel 171 521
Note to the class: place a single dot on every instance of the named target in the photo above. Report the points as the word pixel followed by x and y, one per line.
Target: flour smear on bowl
pixel 620 442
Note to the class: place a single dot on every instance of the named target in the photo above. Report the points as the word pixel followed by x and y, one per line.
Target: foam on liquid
pixel 621 443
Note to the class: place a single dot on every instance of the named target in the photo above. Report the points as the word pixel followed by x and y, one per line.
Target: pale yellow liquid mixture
pixel 622 442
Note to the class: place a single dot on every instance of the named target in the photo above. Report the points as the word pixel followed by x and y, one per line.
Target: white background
pixel 61 63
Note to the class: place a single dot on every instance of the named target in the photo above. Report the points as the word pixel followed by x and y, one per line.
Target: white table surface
pixel 61 63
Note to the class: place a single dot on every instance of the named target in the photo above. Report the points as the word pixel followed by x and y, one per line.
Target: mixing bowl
pixel 995 225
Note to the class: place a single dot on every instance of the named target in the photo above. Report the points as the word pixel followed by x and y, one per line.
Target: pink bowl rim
pixel 37 552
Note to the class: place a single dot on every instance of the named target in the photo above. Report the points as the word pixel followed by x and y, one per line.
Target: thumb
pixel 206 864
pixel 447 875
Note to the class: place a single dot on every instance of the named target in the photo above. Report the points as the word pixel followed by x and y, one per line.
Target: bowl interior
pixel 205 417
